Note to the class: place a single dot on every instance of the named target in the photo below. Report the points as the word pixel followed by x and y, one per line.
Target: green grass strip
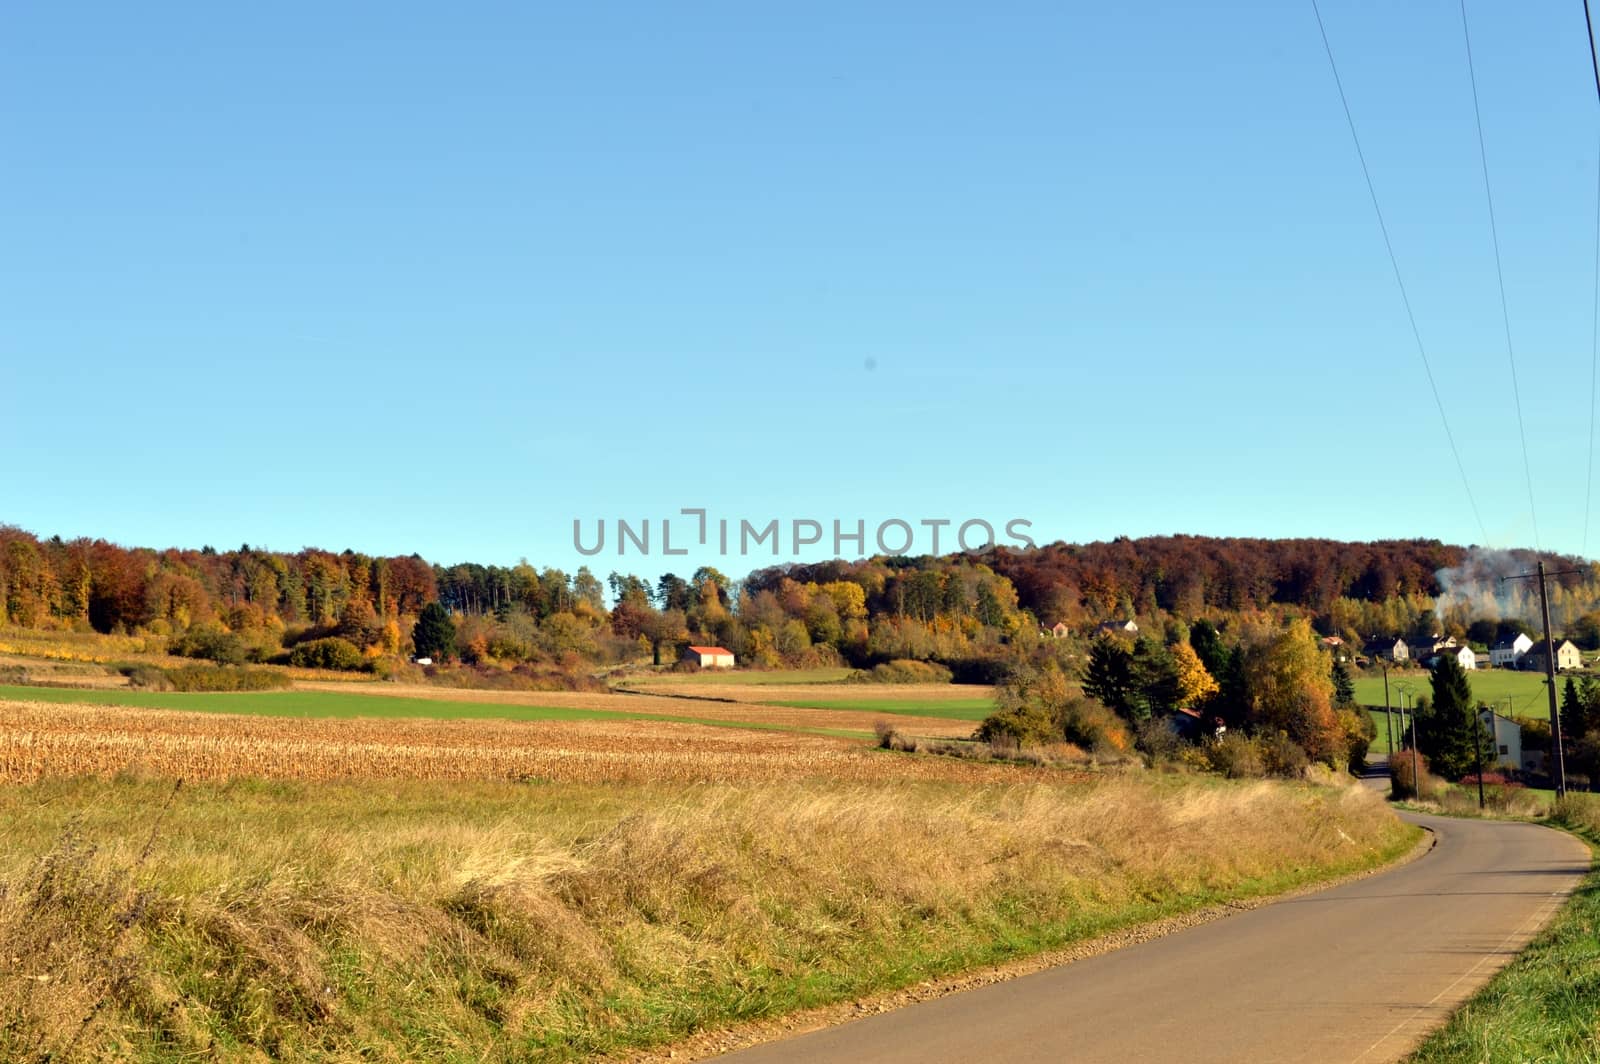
pixel 340 704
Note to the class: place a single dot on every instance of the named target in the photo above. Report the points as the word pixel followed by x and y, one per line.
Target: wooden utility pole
pixel 1416 773
pixel 1559 771
pixel 1550 682
pixel 1388 717
pixel 1477 749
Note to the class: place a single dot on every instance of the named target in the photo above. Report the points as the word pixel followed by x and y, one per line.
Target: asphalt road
pixel 1360 972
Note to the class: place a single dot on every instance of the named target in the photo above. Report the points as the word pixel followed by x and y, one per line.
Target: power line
pixel 1394 264
pixel 1499 273
pixel 1594 360
pixel 1594 335
pixel 1594 60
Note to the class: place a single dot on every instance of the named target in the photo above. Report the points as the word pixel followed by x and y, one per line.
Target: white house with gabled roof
pixel 1507 653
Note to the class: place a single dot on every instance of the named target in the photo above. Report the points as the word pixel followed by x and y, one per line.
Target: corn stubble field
pixel 504 891
pixel 39 740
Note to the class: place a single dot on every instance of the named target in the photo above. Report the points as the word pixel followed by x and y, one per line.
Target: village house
pixel 1388 648
pixel 1567 656
pixel 1463 655
pixel 1507 735
pixel 709 657
pixel 1423 649
pixel 1508 652
pixel 1059 630
pixel 1120 628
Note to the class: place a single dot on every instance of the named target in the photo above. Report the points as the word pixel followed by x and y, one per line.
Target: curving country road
pixel 1359 972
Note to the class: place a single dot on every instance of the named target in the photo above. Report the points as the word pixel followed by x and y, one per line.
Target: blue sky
pixel 397 278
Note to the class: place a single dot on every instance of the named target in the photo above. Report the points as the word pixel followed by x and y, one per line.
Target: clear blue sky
pixel 400 277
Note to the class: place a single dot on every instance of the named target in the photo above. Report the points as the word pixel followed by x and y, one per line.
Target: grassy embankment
pixel 1545 1006
pixel 495 921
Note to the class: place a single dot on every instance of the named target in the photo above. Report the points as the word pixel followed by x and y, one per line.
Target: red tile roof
pixel 710 650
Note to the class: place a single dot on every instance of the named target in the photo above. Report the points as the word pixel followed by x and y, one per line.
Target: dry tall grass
pixel 408 921
pixel 1580 812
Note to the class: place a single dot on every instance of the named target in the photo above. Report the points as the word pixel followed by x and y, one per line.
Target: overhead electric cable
pixel 1594 327
pixel 1399 280
pixel 1499 273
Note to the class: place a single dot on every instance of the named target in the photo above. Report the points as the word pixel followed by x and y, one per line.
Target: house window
pixel 1504 749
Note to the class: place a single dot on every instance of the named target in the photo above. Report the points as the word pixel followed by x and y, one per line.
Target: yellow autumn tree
pixel 390 638
pixel 1195 684
pixel 1292 692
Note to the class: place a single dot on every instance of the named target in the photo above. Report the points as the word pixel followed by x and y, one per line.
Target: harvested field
pixel 841 692
pixel 39 740
pixel 800 718
pixel 737 677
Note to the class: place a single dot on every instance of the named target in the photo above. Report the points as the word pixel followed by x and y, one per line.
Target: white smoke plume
pixel 1478 585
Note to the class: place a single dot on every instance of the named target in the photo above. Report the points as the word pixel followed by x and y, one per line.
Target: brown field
pixel 39 740
pixel 869 692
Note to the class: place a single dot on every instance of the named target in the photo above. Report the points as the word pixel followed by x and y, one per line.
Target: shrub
pixel 507 647
pixel 1578 811
pixel 1401 783
pixel 1159 741
pixel 1283 757
pixel 201 678
pixel 904 670
pixel 330 653
pixel 211 642
pixel 146 677
pixel 1359 730
pixel 1025 725
pixel 397 670
pixel 979 670
pixel 890 738
pixel 1236 757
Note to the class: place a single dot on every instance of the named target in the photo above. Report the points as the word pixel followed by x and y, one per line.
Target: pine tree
pixel 1572 712
pixel 1155 680
pixel 434 635
pixel 1109 677
pixel 1344 688
pixel 1207 643
pixel 1449 731
pixel 1589 700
